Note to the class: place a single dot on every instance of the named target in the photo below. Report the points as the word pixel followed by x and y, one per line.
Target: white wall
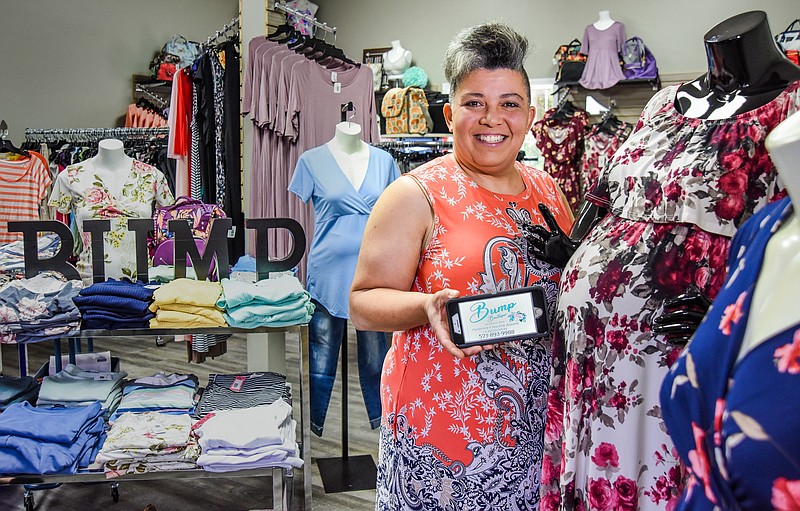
pixel 673 29
pixel 69 63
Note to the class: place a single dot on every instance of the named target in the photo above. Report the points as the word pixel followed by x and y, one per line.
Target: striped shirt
pixel 23 185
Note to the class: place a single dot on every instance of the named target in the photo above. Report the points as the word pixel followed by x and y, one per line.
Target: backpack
pixel 638 61
pixel 195 211
pixel 406 111
pixel 570 62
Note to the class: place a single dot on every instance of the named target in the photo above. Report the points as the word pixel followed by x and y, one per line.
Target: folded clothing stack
pixel 148 442
pixel 39 308
pixel 73 387
pixel 115 305
pixel 16 390
pixel 277 302
pixel 186 303
pixel 49 440
pixel 163 393
pixel 258 437
pixel 243 390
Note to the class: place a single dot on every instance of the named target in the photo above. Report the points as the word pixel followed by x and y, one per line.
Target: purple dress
pixel 602 48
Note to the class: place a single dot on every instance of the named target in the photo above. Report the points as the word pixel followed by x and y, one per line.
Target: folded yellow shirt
pixel 209 312
pixel 177 319
pixel 187 291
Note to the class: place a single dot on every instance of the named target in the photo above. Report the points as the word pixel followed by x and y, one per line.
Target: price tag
pixel 337 88
pixel 238 383
pixel 334 76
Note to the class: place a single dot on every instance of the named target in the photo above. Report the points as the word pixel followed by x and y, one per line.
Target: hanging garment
pixel 677 190
pixel 602 48
pixel 599 146
pixel 561 142
pixel 24 184
pixel 467 433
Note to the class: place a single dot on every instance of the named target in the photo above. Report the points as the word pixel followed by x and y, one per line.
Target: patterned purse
pixel 406 111
pixel 195 211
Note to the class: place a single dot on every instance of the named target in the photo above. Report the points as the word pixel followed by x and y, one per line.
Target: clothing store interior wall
pixel 69 64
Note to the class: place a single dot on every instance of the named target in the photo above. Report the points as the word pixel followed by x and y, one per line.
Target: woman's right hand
pixel 435 309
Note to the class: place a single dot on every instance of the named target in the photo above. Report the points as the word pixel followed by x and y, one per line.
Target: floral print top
pixel 561 144
pixel 713 174
pixel 734 421
pixel 599 147
pixel 79 189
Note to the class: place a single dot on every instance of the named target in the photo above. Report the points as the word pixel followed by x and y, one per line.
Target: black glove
pixel 681 317
pixel 552 246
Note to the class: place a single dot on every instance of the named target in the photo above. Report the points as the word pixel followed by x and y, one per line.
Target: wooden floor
pixel 140 357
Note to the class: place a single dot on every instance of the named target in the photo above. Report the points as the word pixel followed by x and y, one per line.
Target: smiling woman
pixel 472 438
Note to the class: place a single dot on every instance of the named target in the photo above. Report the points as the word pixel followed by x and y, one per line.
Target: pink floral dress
pixel 735 421
pixel 78 189
pixel 677 190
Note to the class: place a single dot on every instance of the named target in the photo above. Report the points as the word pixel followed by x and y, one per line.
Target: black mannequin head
pixel 745 67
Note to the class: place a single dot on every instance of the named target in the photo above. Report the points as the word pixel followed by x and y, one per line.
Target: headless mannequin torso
pixel 604 20
pixel 111 164
pixel 350 152
pixel 776 295
pixel 396 61
pixel 745 70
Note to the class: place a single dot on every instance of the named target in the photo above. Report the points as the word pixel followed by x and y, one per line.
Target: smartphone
pixel 498 317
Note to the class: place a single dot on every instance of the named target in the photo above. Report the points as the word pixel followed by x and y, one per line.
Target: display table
pixel 282 478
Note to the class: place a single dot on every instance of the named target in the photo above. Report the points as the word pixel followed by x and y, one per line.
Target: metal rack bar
pixel 294 12
pixel 219 33
pixel 92 134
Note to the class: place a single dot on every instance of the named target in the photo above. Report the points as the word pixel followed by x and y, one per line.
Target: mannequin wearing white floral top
pixel 111 186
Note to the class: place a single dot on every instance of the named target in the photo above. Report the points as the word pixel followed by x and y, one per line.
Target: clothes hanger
pixel 5 144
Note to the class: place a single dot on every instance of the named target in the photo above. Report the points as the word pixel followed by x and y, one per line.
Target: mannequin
pixel 111 164
pixel 350 152
pixel 602 43
pixel 776 295
pixel 668 217
pixel 604 20
pixel 740 49
pixel 745 70
pixel 739 447
pixel 342 204
pixel 396 61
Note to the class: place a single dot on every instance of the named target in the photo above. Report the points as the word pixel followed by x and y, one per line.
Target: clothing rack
pixel 234 22
pixel 608 113
pixel 294 12
pixel 155 99
pixel 92 134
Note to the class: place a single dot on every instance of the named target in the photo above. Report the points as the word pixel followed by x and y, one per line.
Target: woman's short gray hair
pixel 491 45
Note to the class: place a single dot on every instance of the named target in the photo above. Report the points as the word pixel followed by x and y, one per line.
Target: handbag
pixel 406 111
pixel 176 53
pixel 570 62
pixel 638 61
pixel 195 211
pixel 789 39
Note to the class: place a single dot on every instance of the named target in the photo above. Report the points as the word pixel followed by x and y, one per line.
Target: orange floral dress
pixel 468 434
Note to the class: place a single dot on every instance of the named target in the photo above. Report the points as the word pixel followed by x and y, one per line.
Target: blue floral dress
pixel 676 191
pixel 736 425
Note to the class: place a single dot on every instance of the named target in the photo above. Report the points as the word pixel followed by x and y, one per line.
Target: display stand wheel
pixel 28 500
pixel 115 492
